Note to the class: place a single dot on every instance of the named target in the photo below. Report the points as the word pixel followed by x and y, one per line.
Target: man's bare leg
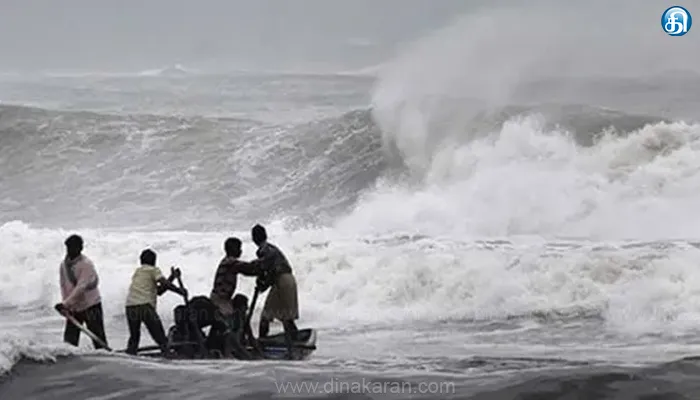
pixel 290 335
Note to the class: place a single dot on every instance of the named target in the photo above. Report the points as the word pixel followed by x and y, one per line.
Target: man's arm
pixel 265 255
pixel 174 273
pixel 167 284
pixel 249 268
pixel 64 294
pixel 62 282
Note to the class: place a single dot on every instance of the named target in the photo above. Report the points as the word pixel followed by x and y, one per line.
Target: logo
pixel 676 21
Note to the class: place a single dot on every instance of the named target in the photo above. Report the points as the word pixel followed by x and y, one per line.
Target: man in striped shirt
pixel 226 279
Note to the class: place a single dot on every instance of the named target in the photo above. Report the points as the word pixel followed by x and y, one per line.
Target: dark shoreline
pixel 73 376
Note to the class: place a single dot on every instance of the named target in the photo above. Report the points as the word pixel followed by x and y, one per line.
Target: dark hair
pixel 148 257
pixel 259 234
pixel 240 301
pixel 232 246
pixel 74 241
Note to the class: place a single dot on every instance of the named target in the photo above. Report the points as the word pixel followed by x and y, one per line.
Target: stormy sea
pixel 479 200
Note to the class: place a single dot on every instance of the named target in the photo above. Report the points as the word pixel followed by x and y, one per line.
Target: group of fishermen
pixel 81 297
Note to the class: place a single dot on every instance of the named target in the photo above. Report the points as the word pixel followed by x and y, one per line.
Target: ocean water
pixel 479 201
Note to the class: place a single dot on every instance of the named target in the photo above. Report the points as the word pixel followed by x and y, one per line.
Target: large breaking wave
pixel 111 170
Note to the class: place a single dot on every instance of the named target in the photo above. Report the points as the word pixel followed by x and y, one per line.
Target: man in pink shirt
pixel 80 293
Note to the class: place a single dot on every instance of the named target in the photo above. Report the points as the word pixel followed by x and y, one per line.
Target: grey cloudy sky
pixel 116 35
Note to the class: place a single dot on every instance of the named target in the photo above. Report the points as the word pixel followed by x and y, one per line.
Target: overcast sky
pixel 129 34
